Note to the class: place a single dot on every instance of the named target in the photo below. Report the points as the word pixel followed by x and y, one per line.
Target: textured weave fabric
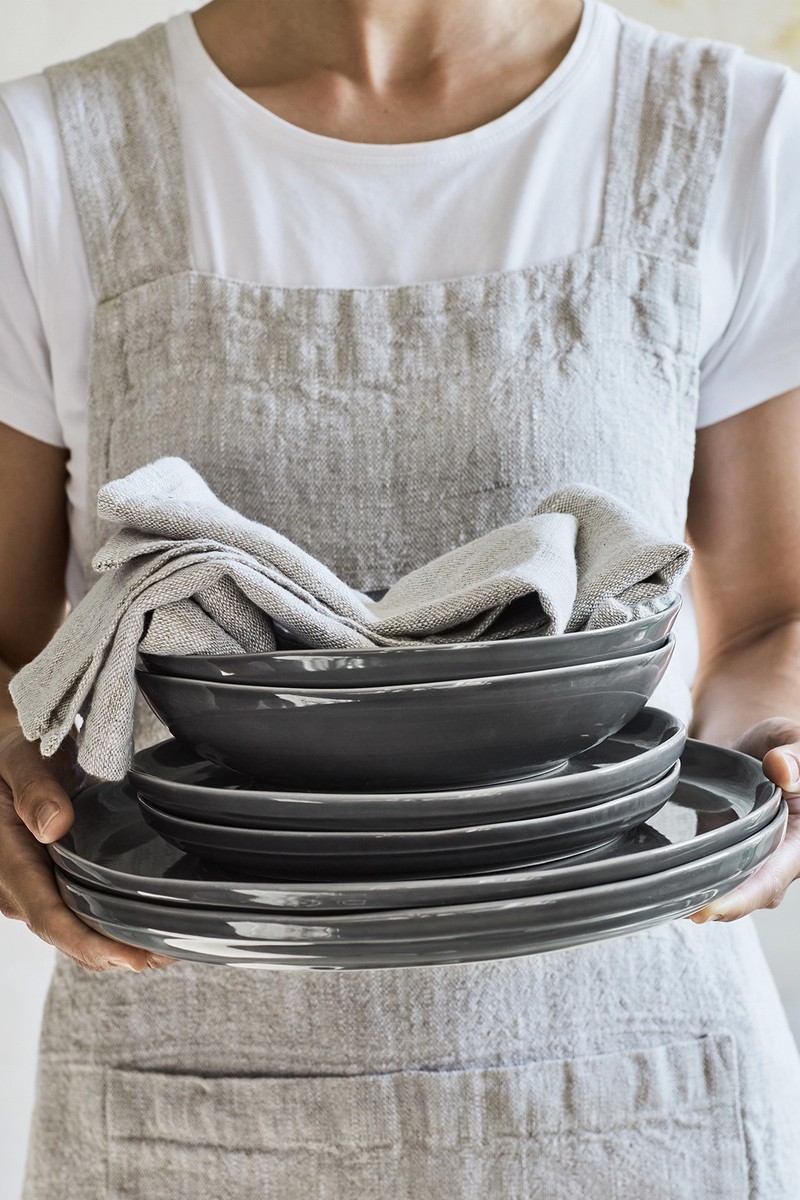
pixel 208 580
pixel 546 1124
pixel 656 1065
pixel 348 418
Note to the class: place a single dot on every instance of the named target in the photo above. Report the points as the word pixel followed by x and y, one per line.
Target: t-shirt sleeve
pixel 27 400
pixel 757 355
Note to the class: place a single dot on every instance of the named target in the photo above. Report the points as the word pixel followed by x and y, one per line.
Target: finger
pixel 9 907
pixel 759 739
pixel 41 788
pixel 776 742
pixel 28 879
pixel 782 766
pixel 764 889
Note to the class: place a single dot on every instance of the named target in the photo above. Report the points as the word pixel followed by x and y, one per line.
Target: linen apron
pixel 378 427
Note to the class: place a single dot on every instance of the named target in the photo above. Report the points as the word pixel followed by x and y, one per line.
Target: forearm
pixel 747 684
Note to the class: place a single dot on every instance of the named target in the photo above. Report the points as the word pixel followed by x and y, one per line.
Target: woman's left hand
pixel 776 742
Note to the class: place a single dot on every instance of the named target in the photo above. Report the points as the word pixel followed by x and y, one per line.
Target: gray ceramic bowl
pixel 382 667
pixel 304 854
pixel 416 736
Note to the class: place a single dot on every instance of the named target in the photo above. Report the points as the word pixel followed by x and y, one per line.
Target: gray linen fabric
pixel 630 1069
pixel 208 580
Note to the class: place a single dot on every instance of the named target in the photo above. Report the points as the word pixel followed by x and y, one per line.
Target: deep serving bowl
pixel 177 780
pixel 307 854
pixel 383 667
pixel 406 737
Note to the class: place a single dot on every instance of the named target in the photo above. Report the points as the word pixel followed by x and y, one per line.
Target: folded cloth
pixel 184 573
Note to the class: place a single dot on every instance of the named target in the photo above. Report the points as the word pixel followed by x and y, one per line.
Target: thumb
pixel 42 787
pixel 776 742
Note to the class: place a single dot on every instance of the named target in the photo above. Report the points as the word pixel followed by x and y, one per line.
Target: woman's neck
pixel 378 70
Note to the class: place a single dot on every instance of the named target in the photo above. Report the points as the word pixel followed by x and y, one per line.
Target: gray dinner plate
pixel 398 853
pixel 175 779
pixel 426 936
pixel 303 667
pixel 458 733
pixel 722 798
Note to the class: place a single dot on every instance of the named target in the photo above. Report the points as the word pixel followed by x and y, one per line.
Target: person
pixel 358 259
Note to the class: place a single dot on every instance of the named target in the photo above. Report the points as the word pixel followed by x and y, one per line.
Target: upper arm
pixel 34 541
pixel 744 504
pixel 744 523
pixel 750 250
pixel 34 536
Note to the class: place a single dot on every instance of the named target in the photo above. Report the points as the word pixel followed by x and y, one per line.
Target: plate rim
pixel 675 603
pixel 342 694
pixel 432 913
pixel 359 887
pixel 478 791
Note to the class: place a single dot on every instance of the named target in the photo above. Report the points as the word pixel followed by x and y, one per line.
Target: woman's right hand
pixel 35 808
pixel 35 792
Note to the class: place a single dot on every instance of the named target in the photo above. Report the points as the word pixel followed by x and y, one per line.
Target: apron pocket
pixel 660 1122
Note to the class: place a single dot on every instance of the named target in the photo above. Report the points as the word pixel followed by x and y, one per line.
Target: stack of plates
pixel 125 880
pixel 463 802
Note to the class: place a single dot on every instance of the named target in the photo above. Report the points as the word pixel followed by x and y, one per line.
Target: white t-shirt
pixel 277 204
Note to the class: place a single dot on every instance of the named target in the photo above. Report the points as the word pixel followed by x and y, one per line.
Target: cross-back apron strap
pixel 119 123
pixel 670 117
pixel 120 127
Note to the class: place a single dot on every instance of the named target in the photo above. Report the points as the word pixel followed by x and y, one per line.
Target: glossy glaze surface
pixel 295 666
pixel 311 855
pixel 177 780
pixel 417 937
pixel 433 735
pixel 722 797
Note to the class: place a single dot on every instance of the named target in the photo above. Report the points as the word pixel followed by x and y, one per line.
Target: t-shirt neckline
pixel 206 72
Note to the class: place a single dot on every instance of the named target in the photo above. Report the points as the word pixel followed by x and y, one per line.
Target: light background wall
pixel 770 29
pixel 38 32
